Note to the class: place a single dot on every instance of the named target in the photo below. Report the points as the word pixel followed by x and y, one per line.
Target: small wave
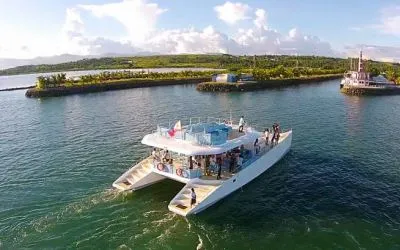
pixel 147 214
pixel 123 247
pixel 208 237
pixel 168 217
pixel 162 237
pixel 144 232
pixel 42 224
pixel 189 225
pixel 200 245
pixel 352 238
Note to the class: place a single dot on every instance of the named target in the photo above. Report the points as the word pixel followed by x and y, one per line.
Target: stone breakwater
pixel 17 88
pixel 258 85
pixel 107 86
pixel 370 90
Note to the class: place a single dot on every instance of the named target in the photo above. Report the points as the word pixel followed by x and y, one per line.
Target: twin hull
pixel 246 175
pixel 143 174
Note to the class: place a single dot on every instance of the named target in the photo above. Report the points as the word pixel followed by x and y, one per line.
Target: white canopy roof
pixel 190 148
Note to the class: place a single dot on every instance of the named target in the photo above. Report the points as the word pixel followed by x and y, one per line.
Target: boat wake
pixel 200 245
pixel 42 224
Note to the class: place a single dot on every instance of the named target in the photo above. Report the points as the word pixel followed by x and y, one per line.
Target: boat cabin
pixel 197 149
pixel 211 157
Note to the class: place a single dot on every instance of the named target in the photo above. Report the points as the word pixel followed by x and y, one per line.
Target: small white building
pixel 225 78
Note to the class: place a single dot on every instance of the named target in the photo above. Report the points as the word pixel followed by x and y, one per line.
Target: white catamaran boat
pixel 209 156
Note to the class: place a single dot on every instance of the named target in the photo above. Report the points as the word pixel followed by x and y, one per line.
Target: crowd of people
pixel 276 133
pixel 231 160
pixel 161 156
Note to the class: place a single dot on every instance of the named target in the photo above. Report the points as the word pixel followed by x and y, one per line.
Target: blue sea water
pixel 338 187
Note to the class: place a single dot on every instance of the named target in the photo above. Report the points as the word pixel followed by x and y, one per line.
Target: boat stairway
pixel 138 176
pixel 180 204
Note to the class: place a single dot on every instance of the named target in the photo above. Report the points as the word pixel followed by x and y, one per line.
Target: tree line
pixel 58 80
pixel 217 61
pixel 287 72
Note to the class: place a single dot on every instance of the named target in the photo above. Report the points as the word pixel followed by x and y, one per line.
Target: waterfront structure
pixel 361 78
pixel 209 156
pixel 361 83
pixel 231 78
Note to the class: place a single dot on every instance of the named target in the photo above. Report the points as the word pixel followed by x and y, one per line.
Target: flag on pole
pixel 177 127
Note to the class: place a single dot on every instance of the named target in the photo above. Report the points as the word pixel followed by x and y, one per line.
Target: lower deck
pixel 178 167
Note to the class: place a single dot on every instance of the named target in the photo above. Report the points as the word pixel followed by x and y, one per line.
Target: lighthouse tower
pixel 362 75
pixel 360 63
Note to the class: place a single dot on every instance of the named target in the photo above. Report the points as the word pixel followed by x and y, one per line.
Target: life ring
pixel 160 166
pixel 185 174
pixel 179 172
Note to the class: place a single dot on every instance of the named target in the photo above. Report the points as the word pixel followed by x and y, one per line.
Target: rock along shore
pixel 258 85
pixel 110 85
pixel 17 88
pixel 368 90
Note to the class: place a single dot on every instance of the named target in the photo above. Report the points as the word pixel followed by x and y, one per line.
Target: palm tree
pixel 41 82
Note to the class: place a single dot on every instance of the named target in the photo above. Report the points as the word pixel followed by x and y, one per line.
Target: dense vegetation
pixel 263 84
pixel 58 80
pixel 289 72
pixel 221 61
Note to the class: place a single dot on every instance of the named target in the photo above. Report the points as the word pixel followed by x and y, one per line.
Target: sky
pixel 31 28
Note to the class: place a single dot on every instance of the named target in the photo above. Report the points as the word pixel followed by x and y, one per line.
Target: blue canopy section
pixel 208 133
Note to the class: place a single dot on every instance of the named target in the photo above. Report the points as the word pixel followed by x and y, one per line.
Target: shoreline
pixel 109 86
pixel 259 85
pixel 369 91
pixel 18 88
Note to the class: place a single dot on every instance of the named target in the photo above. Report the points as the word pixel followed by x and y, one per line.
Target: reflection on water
pixel 354 109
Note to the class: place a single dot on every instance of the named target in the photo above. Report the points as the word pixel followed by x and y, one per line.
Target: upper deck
pixel 207 137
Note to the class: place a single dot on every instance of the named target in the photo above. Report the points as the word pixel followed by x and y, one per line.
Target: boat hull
pixel 247 175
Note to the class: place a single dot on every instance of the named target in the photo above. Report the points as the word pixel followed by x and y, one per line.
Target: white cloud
pixel 231 13
pixel 76 42
pixel 390 21
pixel 140 17
pixel 73 25
pixel 179 41
pixel 374 52
pixel 137 16
pixel 261 19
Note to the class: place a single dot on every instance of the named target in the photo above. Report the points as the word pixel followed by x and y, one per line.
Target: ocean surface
pixel 338 187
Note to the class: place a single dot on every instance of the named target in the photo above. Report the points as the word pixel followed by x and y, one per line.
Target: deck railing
pixel 200 137
pixel 182 171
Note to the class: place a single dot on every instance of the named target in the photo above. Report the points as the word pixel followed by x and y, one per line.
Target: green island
pixel 60 85
pixel 218 61
pixel 268 71
pixel 263 84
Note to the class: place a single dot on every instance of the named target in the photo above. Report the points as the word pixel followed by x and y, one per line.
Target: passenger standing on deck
pixel 231 162
pixel 190 162
pixel 193 200
pixel 256 146
pixel 273 134
pixel 166 157
pixel 155 155
pixel 219 164
pixel 266 133
pixel 241 124
pixel 278 133
pixel 239 161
